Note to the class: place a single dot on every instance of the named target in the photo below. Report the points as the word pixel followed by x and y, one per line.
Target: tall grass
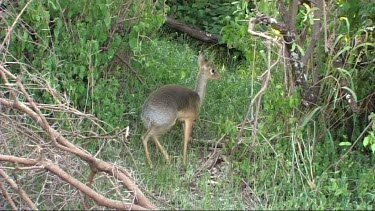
pixel 291 164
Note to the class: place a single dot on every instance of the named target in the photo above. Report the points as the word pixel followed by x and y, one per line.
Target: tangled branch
pixel 266 78
pixel 17 91
pixel 14 185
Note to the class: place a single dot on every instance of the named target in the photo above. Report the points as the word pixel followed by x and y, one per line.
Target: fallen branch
pixel 60 142
pixel 6 195
pixel 131 69
pixel 18 189
pixel 195 33
pixel 55 169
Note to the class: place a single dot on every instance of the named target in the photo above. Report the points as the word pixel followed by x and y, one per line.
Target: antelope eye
pixel 213 71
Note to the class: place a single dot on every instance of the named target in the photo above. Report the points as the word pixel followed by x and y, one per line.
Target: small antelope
pixel 173 102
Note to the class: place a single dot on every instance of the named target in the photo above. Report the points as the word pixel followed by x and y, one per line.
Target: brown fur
pixel 170 103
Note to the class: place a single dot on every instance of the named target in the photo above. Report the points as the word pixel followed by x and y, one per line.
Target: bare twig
pixel 62 143
pixel 266 76
pixel 21 192
pixel 100 199
pixel 6 195
pixel 288 33
pixel 31 168
pixel 131 68
pixel 10 30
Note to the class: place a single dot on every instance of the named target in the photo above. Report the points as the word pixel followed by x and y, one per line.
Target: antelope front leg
pixel 162 149
pixel 188 131
pixel 145 139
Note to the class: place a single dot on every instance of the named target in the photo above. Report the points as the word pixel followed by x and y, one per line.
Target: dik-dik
pixel 173 102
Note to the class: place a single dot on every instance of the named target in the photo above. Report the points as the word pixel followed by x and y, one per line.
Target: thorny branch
pixel 6 195
pixel 7 36
pixel 298 62
pixel 265 82
pixel 100 199
pixel 60 142
pixel 20 191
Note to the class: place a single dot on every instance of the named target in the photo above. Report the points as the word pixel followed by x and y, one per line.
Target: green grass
pixel 160 62
pixel 288 166
pixel 270 172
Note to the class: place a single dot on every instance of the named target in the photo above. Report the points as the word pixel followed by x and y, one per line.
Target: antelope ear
pixel 201 59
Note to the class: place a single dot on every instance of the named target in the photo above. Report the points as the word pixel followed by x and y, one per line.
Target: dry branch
pixel 265 82
pixel 288 30
pixel 20 191
pixel 6 195
pixel 197 34
pixel 7 36
pixel 131 68
pixel 17 109
pixel 100 199
pixel 60 142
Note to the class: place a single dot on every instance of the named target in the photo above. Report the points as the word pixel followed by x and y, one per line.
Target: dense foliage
pixel 316 158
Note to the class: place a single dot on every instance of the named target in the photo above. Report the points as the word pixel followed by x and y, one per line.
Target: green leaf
pixel 341 70
pixel 309 117
pixel 345 143
pixel 346 48
pixel 351 92
pixel 366 141
pixel 133 42
pixel 371 117
pixel 107 20
pixel 52 5
pixel 347 23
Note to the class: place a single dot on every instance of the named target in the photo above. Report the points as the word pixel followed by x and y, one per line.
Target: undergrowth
pixel 301 159
pixel 279 170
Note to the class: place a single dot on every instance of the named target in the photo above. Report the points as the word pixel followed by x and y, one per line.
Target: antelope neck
pixel 201 87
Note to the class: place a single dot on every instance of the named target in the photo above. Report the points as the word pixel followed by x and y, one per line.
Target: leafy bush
pixel 80 41
pixel 208 15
